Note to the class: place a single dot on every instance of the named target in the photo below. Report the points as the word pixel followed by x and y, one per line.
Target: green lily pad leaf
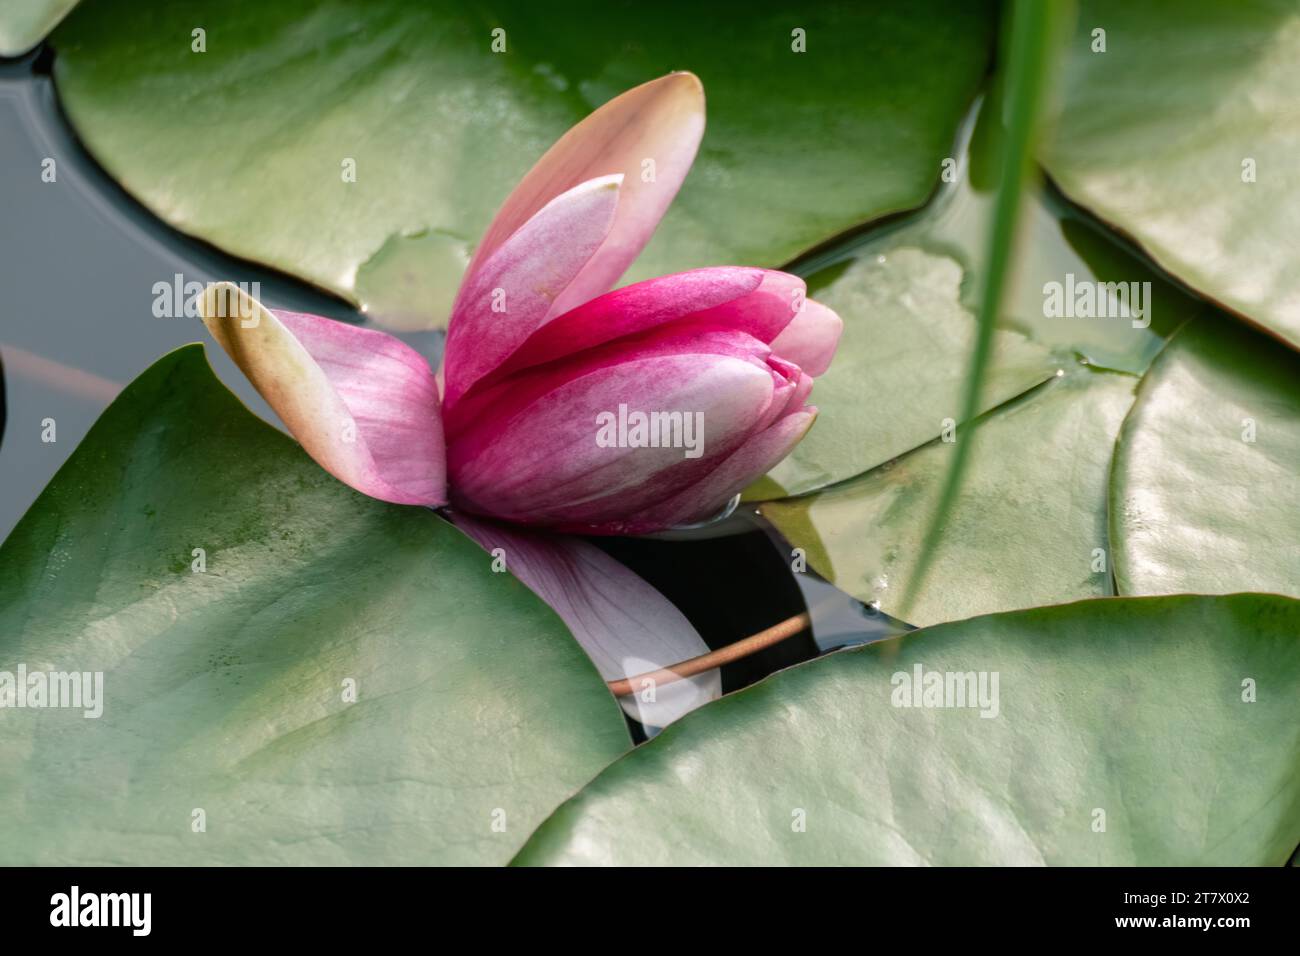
pixel 1205 493
pixel 1026 529
pixel 907 297
pixel 1075 289
pixel 1184 133
pixel 25 23
pixel 246 144
pixel 1120 734
pixel 291 673
pixel 1061 290
pixel 898 371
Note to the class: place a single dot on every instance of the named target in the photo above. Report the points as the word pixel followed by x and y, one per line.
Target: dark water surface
pixel 79 260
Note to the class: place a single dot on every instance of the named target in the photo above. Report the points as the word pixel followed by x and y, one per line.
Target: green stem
pixel 1023 76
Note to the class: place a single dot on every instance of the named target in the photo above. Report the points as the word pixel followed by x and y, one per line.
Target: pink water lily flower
pixel 564 406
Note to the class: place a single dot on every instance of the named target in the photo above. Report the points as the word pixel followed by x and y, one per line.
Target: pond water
pixel 79 262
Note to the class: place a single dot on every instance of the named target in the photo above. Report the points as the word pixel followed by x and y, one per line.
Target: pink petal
pixel 625 625
pixel 663 121
pixel 790 387
pixel 766 311
pixel 810 339
pixel 631 309
pixel 498 401
pixel 361 403
pixel 505 298
pixel 707 496
pixel 543 464
pixel 759 302
pixel 803 389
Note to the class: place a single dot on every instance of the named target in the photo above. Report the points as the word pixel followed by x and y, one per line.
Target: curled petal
pixel 634 308
pixel 758 302
pixel 811 337
pixel 764 312
pixel 660 123
pixel 508 296
pixel 789 389
pixel 625 625
pixel 704 498
pixel 803 388
pixel 362 404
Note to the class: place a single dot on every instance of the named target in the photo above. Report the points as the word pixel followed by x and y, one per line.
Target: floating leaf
pixel 1025 529
pixel 1059 248
pixel 1205 492
pixel 1076 289
pixel 905 293
pixel 234 595
pixel 24 23
pixel 1123 736
pixel 897 373
pixel 248 143
pixel 1183 133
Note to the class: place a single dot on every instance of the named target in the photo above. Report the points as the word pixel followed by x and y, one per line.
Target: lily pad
pixel 1122 733
pixel 247 143
pixel 292 673
pixel 1075 288
pixel 1025 530
pixel 1183 133
pixel 1058 245
pixel 897 373
pixel 25 23
pixel 907 297
pixel 1205 492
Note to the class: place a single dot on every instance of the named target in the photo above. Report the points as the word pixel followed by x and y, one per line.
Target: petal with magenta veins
pixel 758 302
pixel 790 388
pixel 547 463
pixel 361 403
pixel 498 402
pixel 803 388
pixel 625 625
pixel 766 311
pixel 632 309
pixel 661 121
pixel 508 296
pixel 706 497
pixel 811 338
